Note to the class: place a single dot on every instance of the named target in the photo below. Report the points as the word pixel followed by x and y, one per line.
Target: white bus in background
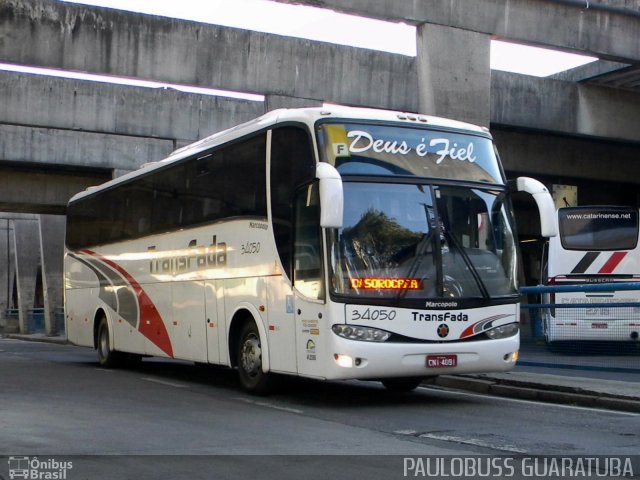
pixel 329 243
pixel 595 245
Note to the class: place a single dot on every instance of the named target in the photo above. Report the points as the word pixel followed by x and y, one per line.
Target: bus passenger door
pixel 281 328
pixel 309 318
pixel 292 167
pixel 308 282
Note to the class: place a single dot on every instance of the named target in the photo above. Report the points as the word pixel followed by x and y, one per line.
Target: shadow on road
pixel 305 392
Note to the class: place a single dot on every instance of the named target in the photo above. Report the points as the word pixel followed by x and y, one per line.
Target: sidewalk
pixel 37 337
pixel 568 390
pixel 589 378
pixel 572 389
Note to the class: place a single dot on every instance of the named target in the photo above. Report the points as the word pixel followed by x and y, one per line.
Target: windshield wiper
pixel 468 262
pixel 421 249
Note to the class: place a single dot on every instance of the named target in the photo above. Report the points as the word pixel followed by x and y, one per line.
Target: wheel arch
pixel 242 314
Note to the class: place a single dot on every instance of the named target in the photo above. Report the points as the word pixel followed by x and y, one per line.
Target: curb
pixel 539 392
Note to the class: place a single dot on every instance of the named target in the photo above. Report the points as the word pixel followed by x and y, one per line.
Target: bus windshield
pixel 422 241
pixel 386 150
pixel 598 228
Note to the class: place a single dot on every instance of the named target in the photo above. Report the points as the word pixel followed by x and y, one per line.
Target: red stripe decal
pixel 467 332
pixel 613 262
pixel 151 324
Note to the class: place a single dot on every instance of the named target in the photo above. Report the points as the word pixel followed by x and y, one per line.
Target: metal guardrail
pixel 584 288
pixel 597 315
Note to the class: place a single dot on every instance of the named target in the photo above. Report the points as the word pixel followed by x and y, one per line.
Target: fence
pixel 10 321
pixel 36 320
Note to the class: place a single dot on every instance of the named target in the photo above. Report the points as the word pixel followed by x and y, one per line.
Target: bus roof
pixel 308 116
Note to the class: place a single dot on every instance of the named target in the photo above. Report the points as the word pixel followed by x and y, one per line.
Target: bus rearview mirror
pixel 544 200
pixel 331 195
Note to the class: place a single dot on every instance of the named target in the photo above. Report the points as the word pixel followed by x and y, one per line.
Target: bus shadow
pixel 302 391
pixel 298 391
pixel 356 394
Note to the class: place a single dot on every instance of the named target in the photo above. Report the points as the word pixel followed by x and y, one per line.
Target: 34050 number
pixel 373 314
pixel 250 248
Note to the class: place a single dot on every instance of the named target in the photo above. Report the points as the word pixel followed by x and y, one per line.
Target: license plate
pixel 442 361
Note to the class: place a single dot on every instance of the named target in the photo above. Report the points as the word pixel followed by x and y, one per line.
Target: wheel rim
pixel 251 355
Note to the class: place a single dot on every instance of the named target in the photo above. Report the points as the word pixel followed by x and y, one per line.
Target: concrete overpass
pixel 58 136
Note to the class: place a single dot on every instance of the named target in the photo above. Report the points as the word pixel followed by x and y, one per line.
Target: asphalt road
pixel 168 419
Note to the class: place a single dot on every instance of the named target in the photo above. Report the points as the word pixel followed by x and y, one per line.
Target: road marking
pixel 270 405
pixel 473 441
pixel 462 440
pixel 531 402
pixel 164 382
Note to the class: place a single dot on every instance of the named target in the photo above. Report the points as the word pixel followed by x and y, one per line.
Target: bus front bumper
pixel 368 360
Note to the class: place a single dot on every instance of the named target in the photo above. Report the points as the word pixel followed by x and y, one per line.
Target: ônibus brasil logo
pixel 38 469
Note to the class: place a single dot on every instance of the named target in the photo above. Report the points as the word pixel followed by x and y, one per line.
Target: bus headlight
pixel 365 334
pixel 503 331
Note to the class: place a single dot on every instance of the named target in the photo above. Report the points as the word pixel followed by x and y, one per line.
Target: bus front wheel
pixel 249 361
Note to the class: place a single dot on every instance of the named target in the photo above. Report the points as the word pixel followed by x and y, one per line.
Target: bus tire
pixel 403 384
pixel 106 357
pixel 249 361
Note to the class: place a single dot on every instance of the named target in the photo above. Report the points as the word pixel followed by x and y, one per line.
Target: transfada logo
pixel 443 330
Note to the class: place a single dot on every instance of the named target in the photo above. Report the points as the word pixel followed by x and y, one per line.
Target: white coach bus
pixel 595 245
pixel 331 243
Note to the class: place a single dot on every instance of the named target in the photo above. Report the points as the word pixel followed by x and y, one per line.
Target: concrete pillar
pixel 52 229
pixel 7 264
pixel 454 74
pixel 26 246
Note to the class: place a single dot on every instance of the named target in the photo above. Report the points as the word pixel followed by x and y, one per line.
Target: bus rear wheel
pixel 404 384
pixel 249 361
pixel 106 357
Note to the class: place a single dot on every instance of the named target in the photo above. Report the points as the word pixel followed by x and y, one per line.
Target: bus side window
pixel 83 225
